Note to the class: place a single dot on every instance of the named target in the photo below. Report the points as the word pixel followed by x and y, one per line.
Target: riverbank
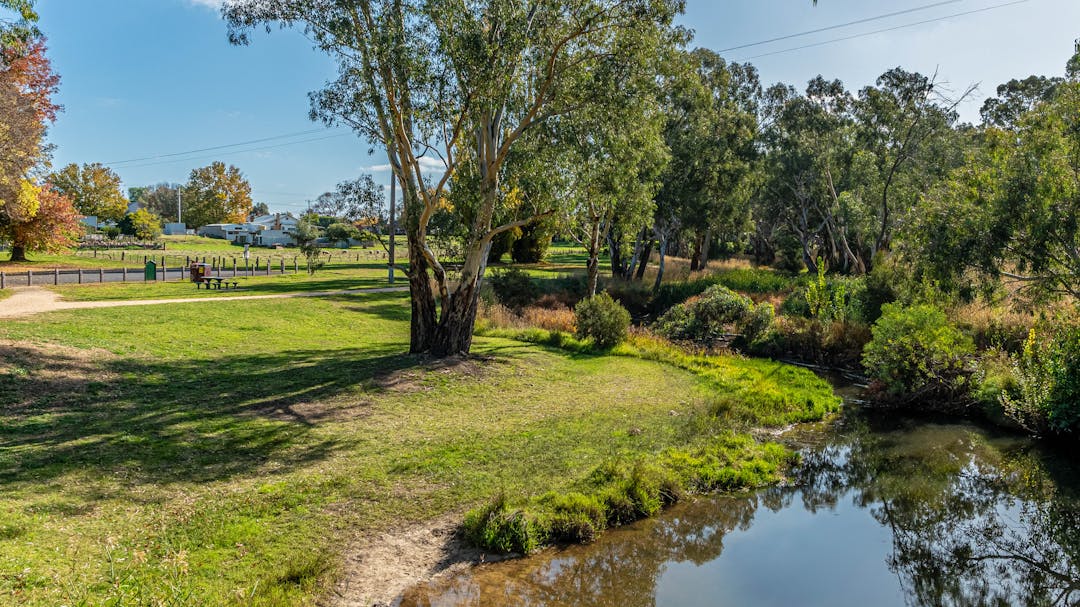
pixel 182 454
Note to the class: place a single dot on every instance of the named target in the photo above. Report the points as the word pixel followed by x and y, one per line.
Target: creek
pixel 884 509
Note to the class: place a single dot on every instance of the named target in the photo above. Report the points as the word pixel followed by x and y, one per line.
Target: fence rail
pixel 57 276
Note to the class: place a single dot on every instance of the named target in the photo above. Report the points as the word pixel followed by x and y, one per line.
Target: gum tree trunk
pixel 18 253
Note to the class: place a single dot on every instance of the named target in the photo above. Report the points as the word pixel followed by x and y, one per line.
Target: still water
pixel 882 511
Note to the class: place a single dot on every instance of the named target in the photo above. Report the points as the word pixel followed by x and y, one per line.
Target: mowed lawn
pixel 195 455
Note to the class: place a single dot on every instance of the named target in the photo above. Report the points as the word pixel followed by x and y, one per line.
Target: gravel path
pixel 27 301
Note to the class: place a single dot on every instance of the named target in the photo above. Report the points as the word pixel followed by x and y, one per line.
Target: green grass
pixel 195 455
pixel 335 278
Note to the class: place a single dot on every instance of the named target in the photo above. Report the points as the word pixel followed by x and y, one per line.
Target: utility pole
pixel 179 204
pixel 393 225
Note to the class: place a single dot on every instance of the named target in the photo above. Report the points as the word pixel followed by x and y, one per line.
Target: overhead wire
pixel 890 29
pixel 841 25
pixel 217 147
pixel 258 149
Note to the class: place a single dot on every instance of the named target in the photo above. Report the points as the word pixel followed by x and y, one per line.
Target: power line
pixel 258 149
pixel 841 25
pixel 217 147
pixel 890 29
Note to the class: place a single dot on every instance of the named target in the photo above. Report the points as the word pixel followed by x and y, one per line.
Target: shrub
pixel 500 245
pixel 603 320
pixel 1048 381
pixel 532 245
pixel 916 351
pixel 719 314
pixel 497 527
pixel 514 288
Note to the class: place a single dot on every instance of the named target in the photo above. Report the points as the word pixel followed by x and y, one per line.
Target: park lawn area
pixel 336 278
pixel 229 455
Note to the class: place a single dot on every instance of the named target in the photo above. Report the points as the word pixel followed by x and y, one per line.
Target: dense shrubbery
pixel 915 352
pixel 514 288
pixel 601 319
pixel 833 344
pixel 1047 372
pixel 743 280
pixel 718 315
pixel 531 246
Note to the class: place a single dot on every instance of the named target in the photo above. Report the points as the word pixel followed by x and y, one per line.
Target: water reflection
pixel 884 513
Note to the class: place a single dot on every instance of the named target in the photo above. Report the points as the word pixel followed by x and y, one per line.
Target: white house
pixel 265 231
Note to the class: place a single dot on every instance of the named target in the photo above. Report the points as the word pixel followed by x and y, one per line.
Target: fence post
pixel 125 274
pixel 164 271
pixel 3 280
pixel 295 265
pixel 282 265
pixel 101 275
pixel 80 275
pixel 29 278
pixel 267 267
pixel 123 254
pixel 234 267
pixel 56 276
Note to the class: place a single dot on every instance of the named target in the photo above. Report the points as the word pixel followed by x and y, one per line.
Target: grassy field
pixel 336 278
pixel 226 456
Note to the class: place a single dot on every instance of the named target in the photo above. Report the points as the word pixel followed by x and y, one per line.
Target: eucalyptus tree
pixel 711 129
pixel 422 79
pixel 1011 214
pixel 905 123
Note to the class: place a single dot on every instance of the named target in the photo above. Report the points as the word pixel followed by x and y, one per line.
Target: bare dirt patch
pixel 378 570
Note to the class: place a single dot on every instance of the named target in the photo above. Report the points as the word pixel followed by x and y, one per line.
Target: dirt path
pixel 34 300
pixel 378 570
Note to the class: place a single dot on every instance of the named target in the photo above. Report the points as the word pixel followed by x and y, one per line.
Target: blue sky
pixel 148 78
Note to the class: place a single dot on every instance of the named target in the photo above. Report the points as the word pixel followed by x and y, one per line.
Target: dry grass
pixel 497 316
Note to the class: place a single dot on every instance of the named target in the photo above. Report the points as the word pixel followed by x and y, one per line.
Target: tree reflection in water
pixel 975 519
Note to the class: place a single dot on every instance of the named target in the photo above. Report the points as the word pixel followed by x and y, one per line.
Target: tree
pixel 356 200
pixel 39 219
pixel 427 79
pixel 259 209
pixel 145 225
pixel 1012 211
pixel 216 194
pixel 32 217
pixel 94 189
pixel 1017 97
pixel 307 237
pixel 160 199
pixel 342 232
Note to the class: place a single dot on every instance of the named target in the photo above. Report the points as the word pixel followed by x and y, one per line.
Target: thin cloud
pixel 427 164
pixel 214 4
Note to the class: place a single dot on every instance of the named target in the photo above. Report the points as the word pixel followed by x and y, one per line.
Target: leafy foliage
pixel 514 288
pixel 718 315
pixel 307 234
pixel 601 319
pixel 216 194
pixel 1047 374
pixel 93 188
pixel 915 352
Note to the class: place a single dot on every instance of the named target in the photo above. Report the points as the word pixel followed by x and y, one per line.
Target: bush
pixel 742 280
pixel 915 351
pixel 500 245
pixel 603 320
pixel 532 245
pixel 514 288
pixel 720 314
pixel 1048 381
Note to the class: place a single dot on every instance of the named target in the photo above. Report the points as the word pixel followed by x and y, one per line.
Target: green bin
pixel 150 273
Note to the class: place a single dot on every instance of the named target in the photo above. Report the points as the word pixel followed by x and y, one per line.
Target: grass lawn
pixel 224 456
pixel 336 278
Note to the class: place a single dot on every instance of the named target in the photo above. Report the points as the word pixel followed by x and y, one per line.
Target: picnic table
pixel 214 282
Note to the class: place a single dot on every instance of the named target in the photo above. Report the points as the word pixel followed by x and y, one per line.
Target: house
pixel 263 231
pixel 175 229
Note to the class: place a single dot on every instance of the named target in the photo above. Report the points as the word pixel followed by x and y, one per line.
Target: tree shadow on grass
pixel 179 421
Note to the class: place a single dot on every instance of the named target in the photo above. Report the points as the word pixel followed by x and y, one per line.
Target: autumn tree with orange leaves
pixel 33 217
